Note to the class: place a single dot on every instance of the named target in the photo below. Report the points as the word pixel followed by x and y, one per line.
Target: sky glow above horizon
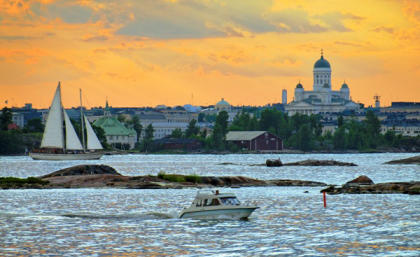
pixel 176 52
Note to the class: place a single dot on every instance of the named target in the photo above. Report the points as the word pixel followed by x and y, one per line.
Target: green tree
pixel 121 118
pixel 218 139
pixel 219 131
pixel 5 118
pixel 176 133
pixel 100 133
pixel 34 125
pixel 373 128
pixel 192 129
pixel 222 121
pixel 304 138
pixel 340 121
pixel 390 138
pixel 339 139
pixel 11 142
pixel 137 126
pixel 148 138
pixel 201 117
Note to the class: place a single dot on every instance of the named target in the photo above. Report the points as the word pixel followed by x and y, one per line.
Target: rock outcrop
pixel 319 163
pixel 364 185
pixel 411 160
pixel 83 170
pixel 97 176
pixel 361 180
pixel 273 163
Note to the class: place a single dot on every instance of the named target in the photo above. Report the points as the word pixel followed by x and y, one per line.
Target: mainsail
pixel 72 141
pixel 53 134
pixel 92 140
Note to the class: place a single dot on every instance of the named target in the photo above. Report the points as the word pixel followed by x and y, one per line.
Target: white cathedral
pixel 322 99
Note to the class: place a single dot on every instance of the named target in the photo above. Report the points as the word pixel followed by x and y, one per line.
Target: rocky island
pixel 411 160
pixel 102 176
pixel 309 162
pixel 364 185
pixel 99 176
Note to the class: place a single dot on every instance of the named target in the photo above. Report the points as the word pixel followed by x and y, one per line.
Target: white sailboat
pixel 60 141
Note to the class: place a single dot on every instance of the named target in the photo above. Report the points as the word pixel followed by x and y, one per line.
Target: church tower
pixel 322 74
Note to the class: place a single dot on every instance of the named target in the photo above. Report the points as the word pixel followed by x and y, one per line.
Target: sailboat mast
pixel 82 122
pixel 62 119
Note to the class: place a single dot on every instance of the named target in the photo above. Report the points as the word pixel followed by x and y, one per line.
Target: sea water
pixel 133 222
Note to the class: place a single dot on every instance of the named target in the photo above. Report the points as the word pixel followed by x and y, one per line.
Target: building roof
pixel 322 63
pixel 222 102
pixel 299 85
pixel 243 135
pixel 112 126
pixel 344 85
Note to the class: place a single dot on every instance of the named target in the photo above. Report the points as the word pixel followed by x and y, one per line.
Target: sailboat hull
pixel 65 157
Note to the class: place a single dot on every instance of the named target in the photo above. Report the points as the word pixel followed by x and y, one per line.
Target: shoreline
pixel 244 153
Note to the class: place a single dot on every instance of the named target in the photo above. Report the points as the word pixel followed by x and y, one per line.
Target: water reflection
pixel 80 222
pixel 369 164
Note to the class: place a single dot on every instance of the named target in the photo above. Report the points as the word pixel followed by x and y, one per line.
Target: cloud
pixel 334 20
pixel 67 11
pixel 200 19
pixel 17 37
pixel 346 43
pixel 295 21
pixel 95 38
pixel 384 29
pixel 26 37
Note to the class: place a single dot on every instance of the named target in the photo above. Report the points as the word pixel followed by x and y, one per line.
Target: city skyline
pixel 146 53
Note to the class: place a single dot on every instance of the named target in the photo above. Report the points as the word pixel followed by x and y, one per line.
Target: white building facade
pixel 322 99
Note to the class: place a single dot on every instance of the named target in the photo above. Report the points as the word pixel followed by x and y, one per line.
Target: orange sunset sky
pixel 174 52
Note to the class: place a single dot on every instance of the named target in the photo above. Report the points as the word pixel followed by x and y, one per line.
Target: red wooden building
pixel 255 140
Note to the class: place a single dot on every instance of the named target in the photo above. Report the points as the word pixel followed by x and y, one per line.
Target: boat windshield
pixel 230 201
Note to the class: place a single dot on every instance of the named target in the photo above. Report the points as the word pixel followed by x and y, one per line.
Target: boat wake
pixel 88 215
pixel 137 216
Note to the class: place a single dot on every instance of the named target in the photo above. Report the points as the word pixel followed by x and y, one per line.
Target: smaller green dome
pixel 223 102
pixel 299 85
pixel 344 85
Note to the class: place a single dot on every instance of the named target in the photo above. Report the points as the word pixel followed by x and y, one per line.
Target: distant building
pixel 18 119
pixel 284 96
pixel 411 130
pixel 403 107
pixel 222 105
pixel 116 133
pixel 178 144
pixel 255 140
pixel 322 99
pixel 164 129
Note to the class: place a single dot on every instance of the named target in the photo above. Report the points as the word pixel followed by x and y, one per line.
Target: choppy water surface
pixel 122 222
pixel 368 164
pixel 118 222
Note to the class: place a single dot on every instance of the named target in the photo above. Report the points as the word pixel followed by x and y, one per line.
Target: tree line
pixel 302 132
pixel 299 131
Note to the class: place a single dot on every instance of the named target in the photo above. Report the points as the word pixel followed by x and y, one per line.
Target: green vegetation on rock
pixel 12 182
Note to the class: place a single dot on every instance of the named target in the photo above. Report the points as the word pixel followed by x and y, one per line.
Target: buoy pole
pixel 325 200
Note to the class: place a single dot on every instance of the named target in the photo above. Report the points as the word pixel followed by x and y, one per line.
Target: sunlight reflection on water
pixel 104 221
pixel 84 222
pixel 368 164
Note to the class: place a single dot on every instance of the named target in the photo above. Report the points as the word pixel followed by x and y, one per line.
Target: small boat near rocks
pixel 215 205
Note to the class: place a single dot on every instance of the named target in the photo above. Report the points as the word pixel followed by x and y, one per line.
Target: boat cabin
pixel 215 199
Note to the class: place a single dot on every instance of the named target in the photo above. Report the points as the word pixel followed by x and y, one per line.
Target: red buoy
pixel 325 200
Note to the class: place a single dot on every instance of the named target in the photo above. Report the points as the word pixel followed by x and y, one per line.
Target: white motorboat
pixel 214 205
pixel 60 140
